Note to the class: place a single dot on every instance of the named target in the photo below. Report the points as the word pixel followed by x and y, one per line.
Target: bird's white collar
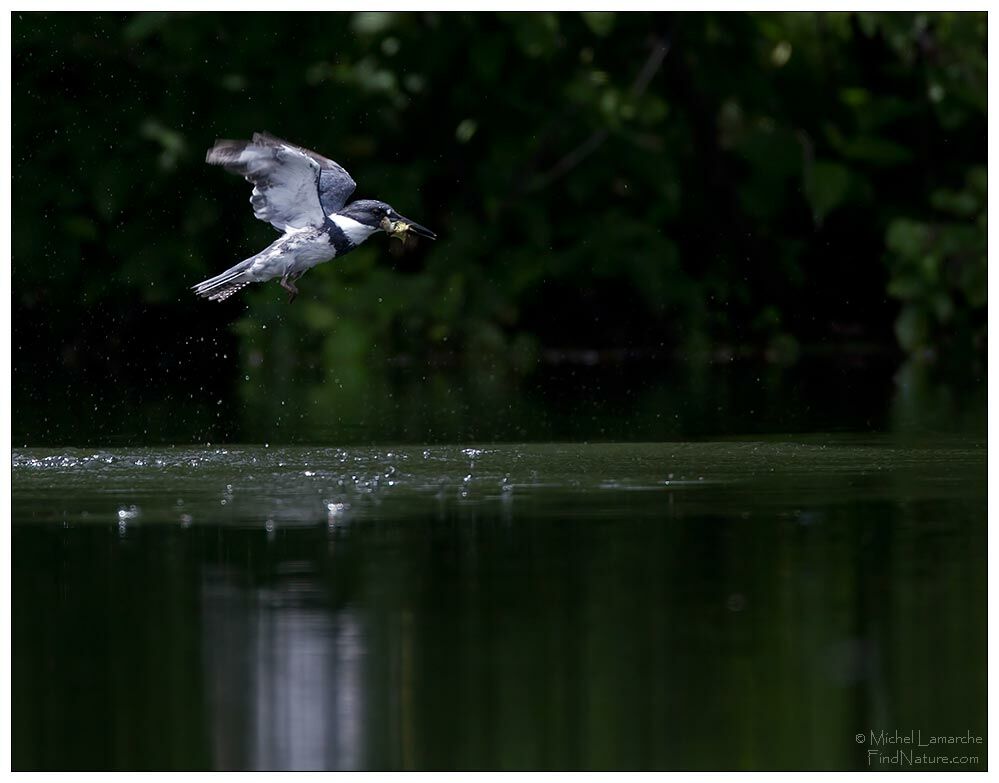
pixel 355 232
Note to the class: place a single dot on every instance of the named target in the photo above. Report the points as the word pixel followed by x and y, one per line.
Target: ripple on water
pixel 292 485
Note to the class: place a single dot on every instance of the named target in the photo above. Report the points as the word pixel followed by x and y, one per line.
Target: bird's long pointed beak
pixel 416 228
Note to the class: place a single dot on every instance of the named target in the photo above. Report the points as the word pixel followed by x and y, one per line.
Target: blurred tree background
pixel 675 185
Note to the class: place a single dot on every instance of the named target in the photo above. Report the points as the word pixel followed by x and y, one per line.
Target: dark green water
pixel 737 604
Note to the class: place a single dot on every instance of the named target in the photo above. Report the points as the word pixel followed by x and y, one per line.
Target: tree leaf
pixel 600 22
pixel 826 187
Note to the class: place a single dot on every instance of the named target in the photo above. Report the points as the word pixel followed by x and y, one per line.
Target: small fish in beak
pixel 399 228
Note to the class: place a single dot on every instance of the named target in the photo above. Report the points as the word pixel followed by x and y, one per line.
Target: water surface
pixel 738 604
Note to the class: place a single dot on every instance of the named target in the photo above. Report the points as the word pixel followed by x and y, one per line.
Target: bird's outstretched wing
pixel 292 187
pixel 335 184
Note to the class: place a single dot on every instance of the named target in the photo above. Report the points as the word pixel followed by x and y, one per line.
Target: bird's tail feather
pixel 221 287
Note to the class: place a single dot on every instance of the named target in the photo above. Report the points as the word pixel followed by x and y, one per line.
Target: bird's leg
pixel 289 286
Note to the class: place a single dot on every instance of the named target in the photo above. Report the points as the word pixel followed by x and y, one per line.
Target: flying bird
pixel 304 195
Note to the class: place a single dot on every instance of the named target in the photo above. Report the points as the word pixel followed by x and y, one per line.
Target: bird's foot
pixel 290 287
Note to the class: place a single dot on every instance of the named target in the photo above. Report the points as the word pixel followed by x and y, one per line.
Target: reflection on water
pixel 628 401
pixel 743 605
pixel 299 697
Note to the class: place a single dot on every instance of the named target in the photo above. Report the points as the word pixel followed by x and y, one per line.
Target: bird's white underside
pixel 291 254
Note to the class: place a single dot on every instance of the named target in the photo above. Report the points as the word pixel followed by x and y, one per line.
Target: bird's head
pixel 377 215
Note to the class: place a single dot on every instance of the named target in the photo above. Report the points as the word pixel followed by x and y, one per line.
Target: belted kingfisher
pixel 304 195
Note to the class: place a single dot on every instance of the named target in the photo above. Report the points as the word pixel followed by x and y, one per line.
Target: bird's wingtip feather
pixel 224 150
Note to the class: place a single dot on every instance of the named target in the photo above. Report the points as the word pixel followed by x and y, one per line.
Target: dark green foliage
pixel 673 182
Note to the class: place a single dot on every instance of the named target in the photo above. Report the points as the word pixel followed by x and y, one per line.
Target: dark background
pixel 622 201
